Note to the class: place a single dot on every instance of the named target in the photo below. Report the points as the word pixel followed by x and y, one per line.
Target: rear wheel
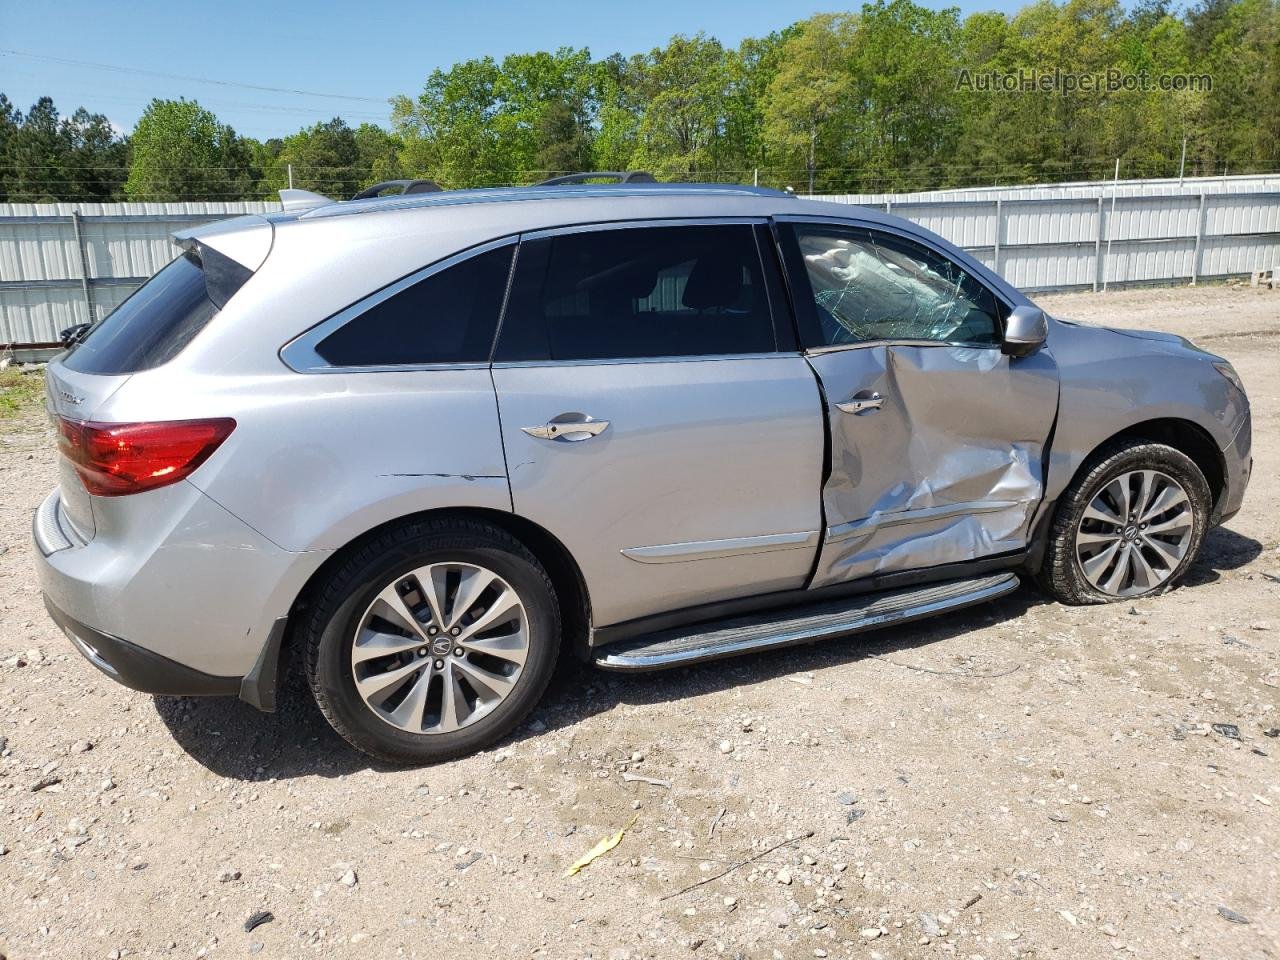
pixel 1128 527
pixel 432 641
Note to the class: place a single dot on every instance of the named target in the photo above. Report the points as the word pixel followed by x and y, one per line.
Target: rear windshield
pixel 163 316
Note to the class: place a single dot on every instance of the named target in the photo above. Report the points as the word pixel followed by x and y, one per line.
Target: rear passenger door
pixel 655 417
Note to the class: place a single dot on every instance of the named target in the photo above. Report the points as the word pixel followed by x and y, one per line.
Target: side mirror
pixel 1025 332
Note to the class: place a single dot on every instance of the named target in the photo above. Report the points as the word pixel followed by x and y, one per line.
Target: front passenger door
pixel 937 437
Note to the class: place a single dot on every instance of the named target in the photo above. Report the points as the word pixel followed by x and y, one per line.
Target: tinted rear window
pixel 153 325
pixel 639 292
pixel 447 317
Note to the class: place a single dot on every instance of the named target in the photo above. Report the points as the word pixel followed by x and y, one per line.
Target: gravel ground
pixel 1022 779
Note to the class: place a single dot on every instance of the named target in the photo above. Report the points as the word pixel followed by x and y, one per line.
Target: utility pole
pixel 290 176
pixel 1182 165
pixel 1111 225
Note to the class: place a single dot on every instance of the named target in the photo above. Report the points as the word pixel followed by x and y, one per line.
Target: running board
pixel 791 626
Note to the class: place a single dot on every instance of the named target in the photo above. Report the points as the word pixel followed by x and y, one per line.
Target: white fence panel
pixel 63 263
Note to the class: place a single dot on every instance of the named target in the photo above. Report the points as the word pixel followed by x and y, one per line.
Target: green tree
pixel 379 155
pixel 811 89
pixel 325 158
pixel 44 157
pixel 182 152
pixel 904 66
pixel 684 87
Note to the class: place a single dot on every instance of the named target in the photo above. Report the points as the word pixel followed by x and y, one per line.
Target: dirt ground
pixel 1021 780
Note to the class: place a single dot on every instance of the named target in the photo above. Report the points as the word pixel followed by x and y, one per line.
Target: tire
pixel 1075 570
pixel 407 720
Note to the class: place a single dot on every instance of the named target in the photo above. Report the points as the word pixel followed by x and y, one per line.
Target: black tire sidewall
pixel 330 664
pixel 1066 571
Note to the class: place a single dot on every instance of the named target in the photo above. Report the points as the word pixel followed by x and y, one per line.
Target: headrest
pixel 716 281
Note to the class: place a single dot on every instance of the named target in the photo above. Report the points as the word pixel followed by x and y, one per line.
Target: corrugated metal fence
pixel 68 263
pixel 1074 236
pixel 62 264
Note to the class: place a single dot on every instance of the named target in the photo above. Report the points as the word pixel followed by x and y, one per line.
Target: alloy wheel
pixel 440 647
pixel 1134 533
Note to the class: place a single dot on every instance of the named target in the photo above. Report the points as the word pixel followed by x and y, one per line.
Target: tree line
pixel 883 99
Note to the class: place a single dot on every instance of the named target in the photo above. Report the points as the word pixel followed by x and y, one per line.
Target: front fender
pixel 1111 382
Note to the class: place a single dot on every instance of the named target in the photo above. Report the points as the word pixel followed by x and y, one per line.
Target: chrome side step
pixel 792 626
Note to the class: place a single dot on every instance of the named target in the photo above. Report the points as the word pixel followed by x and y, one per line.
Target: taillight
pixel 115 459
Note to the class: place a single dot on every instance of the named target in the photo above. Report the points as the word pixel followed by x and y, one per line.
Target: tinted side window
pixel 447 317
pixel 151 326
pixel 638 292
pixel 869 285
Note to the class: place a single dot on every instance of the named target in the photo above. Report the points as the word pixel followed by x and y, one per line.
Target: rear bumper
pixel 139 668
pixel 1238 460
pixel 172 595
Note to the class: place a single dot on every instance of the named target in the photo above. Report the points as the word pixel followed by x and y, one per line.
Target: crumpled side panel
pixel 949 469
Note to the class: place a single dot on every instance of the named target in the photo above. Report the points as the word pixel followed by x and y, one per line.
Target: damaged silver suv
pixel 426 444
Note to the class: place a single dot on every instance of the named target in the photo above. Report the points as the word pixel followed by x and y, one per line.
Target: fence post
pixel 1097 250
pixel 83 259
pixel 999 231
pixel 1195 256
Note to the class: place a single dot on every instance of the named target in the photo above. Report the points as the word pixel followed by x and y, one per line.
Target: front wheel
pixel 432 641
pixel 1128 527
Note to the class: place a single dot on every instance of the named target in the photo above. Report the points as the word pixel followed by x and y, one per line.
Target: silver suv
pixel 427 443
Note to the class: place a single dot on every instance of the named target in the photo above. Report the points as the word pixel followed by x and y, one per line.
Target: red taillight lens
pixel 115 459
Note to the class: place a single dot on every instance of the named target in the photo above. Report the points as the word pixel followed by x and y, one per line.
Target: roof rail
pixel 406 186
pixel 617 176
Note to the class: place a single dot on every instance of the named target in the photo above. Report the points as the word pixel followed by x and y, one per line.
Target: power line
pixel 176 76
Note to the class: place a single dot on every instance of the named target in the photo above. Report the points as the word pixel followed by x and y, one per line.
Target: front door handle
pixel 568 428
pixel 862 404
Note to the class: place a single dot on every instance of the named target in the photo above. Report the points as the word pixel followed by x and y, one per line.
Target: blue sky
pixel 370 50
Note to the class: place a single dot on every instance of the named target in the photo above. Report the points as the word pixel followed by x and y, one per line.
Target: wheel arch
pixel 1185 436
pixel 562 568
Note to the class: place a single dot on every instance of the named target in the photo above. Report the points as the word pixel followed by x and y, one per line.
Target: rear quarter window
pixel 164 315
pixel 449 316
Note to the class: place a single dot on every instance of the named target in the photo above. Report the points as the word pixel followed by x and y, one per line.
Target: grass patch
pixel 20 392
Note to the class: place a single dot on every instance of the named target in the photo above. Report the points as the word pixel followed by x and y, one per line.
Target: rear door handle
pixel 568 428
pixel 862 404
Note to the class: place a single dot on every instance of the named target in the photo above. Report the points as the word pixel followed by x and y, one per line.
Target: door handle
pixel 568 428
pixel 862 404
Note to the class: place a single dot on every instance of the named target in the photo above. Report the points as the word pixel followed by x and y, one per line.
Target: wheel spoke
pixel 512 647
pixel 1166 500
pixel 1166 554
pixel 1142 569
pixel 1087 538
pixel 1118 576
pixel 431 581
pixel 453 705
pixel 409 713
pixel 394 610
pixel 473 584
pixel 1100 511
pixel 1146 487
pixel 1095 566
pixel 1119 490
pixel 372 644
pixel 1180 521
pixel 484 681
pixel 378 687
pixel 501 610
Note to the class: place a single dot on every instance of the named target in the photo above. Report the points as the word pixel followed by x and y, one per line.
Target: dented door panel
pixel 948 466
